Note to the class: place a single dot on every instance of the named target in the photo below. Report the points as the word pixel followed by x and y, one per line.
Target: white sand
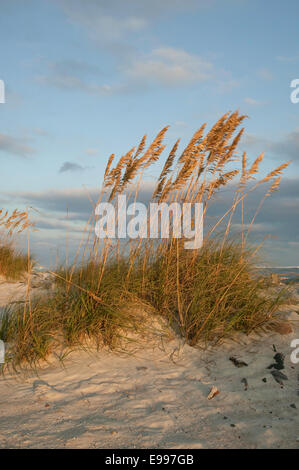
pixel 15 291
pixel 157 398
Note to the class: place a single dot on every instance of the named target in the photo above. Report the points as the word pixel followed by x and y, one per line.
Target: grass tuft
pixel 13 264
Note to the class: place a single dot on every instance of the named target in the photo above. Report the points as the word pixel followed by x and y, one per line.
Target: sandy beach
pixel 156 396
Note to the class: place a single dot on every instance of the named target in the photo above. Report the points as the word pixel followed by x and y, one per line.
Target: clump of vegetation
pixel 211 294
pixel 206 293
pixel 12 262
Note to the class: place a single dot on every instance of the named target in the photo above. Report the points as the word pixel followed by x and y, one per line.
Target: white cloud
pixel 118 29
pixel 70 82
pixel 169 66
pixel 164 66
pixel 109 21
pixel 74 75
pixel 112 28
pixel 15 146
pixel 115 19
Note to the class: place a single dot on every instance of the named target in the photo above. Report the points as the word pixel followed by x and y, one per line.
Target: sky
pixel 84 79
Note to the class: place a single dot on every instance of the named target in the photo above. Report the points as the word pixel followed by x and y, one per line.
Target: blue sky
pixel 87 78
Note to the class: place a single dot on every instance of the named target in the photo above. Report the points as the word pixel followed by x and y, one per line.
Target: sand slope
pixel 157 398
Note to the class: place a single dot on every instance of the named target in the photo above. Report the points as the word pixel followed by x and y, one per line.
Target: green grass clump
pixel 12 263
pixel 212 294
pixel 73 316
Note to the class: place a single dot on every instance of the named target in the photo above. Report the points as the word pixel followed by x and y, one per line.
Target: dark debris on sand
pixel 237 363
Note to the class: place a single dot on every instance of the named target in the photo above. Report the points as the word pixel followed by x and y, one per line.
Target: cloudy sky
pixel 87 78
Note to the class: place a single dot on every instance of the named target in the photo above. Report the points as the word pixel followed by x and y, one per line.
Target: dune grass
pixel 220 291
pixel 12 263
pixel 205 294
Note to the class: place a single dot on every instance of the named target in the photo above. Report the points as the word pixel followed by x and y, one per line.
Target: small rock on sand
pixel 213 392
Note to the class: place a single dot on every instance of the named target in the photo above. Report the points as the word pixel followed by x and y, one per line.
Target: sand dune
pixel 157 398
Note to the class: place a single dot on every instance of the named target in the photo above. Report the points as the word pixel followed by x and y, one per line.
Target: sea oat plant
pixel 12 262
pixel 204 294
